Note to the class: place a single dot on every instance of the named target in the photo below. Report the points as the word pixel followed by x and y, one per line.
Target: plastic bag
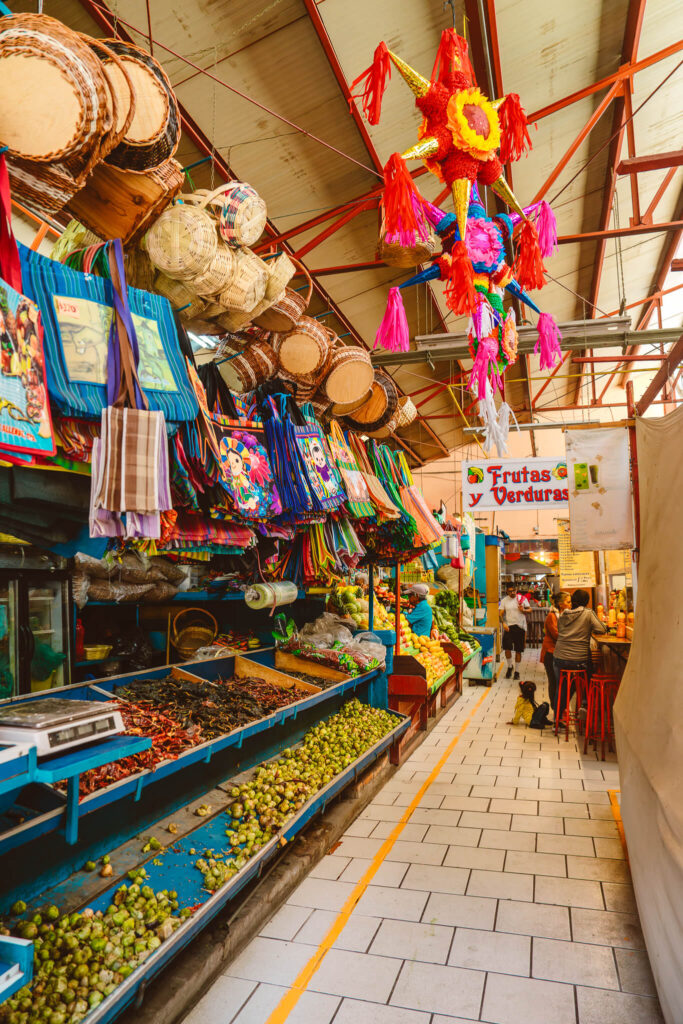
pixel 160 592
pixel 97 568
pixel 109 590
pixel 45 660
pixel 80 585
pixel 326 630
pixel 169 570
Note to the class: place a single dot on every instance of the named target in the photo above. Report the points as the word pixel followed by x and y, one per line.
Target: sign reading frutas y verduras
pixel 514 483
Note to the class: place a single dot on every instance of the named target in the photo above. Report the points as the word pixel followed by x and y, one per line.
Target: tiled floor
pixel 506 898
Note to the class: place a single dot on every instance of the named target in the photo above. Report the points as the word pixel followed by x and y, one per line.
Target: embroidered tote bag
pixel 358 499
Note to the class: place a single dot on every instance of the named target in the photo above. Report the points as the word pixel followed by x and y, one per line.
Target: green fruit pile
pixel 262 806
pixel 79 959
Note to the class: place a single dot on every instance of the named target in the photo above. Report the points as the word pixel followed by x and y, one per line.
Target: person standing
pixel 561 602
pixel 421 618
pixel 574 628
pixel 514 609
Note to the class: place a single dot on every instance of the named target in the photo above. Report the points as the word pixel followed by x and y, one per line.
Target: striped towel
pixel 133 474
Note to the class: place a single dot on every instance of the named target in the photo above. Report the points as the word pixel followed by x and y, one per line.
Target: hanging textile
pixel 358 500
pixel 413 500
pixel 386 509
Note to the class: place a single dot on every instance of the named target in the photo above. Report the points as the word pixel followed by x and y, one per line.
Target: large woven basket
pixel 243 213
pixel 218 274
pixel 120 94
pixel 281 270
pixel 200 630
pixel 304 352
pixel 154 131
pixel 244 371
pixel 379 409
pixel 182 242
pixel 248 284
pixel 407 413
pixel 285 314
pixel 396 255
pixel 349 374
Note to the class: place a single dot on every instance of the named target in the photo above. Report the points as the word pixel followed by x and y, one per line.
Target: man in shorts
pixel 514 609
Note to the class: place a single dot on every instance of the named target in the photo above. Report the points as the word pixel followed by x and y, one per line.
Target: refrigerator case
pixel 34 631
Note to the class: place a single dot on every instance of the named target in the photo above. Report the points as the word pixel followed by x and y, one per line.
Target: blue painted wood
pixel 16 965
pixel 74 762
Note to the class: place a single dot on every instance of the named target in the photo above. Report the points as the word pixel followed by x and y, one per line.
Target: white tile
pixel 388 873
pixel 378 812
pixel 536 863
pixel 602 1007
pixel 536 823
pixel 434 816
pixel 575 963
pixel 619 897
pixel 491 951
pixel 356 935
pixel 433 878
pixel 436 989
pixel 590 827
pixel 496 839
pixel 548 794
pixel 411 940
pixel 384 797
pixel 383 829
pixel 583 796
pixel 530 781
pixel 478 819
pixel 402 904
pixel 360 828
pixel 635 975
pixel 417 853
pixel 607 928
pixel 562 810
pixel 599 868
pixel 321 894
pixel 569 892
pixel 330 867
pixel 310 1007
pixel 352 847
pixel 451 789
pixel 465 803
pixel 356 975
pixel 270 960
pixel 598 811
pixel 579 846
pixel 501 885
pixel 353 1011
pixel 499 771
pixel 453 836
pixel 533 919
pixel 609 848
pixel 465 911
pixel 221 1002
pixel 510 1000
pixel 286 922
pixel 515 806
pixel 475 857
pixel 491 792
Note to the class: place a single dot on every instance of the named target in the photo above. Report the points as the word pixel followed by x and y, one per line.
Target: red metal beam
pixel 332 59
pixel 547 381
pixel 676 267
pixel 631 145
pixel 624 72
pixel 332 228
pixel 638 164
pixel 350 268
pixel 673 360
pixel 615 90
pixel 618 358
pixel 640 302
pixel 668 178
pixel 636 229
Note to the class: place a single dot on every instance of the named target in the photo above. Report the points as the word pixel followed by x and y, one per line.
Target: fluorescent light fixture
pixel 536 426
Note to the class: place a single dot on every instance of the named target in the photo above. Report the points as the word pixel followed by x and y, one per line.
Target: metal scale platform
pixel 55 724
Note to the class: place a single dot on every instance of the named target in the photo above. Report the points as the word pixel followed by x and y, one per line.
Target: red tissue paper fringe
pixel 376 77
pixel 452 58
pixel 515 138
pixel 546 225
pixel 548 344
pixel 401 214
pixel 529 269
pixel 392 333
pixel 460 293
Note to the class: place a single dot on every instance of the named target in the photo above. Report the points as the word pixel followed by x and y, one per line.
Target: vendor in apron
pixel 421 617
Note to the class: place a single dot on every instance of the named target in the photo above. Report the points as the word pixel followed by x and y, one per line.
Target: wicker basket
pixel 304 352
pixel 396 255
pixel 120 94
pixel 285 314
pixel 243 214
pixel 183 242
pixel 154 130
pixel 281 270
pixel 74 236
pixel 218 274
pixel 140 271
pixel 198 633
pixel 233 320
pixel 379 409
pixel 407 413
pixel 248 284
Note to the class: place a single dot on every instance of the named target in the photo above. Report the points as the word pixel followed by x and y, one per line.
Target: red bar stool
pixel 569 677
pixel 599 721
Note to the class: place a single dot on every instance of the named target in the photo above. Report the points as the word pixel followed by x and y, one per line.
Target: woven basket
pixel 281 270
pixel 285 314
pixel 53 94
pixel 244 371
pixel 198 633
pixel 344 408
pixel 396 255
pixel 120 94
pixel 379 409
pixel 248 284
pixel 183 242
pixel 243 214
pixel 233 321
pixel 407 412
pixel 349 374
pixel 154 131
pixel 304 352
pixel 219 272
pixel 74 236
pixel 140 271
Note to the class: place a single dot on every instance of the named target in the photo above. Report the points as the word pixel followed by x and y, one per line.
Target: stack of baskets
pixel 91 125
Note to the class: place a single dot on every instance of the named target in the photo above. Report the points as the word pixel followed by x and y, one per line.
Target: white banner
pixel 600 505
pixel 514 483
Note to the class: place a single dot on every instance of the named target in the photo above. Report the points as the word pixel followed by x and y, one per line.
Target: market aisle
pixel 506 897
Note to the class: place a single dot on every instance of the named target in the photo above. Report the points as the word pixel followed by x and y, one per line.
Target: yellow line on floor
pixel 293 995
pixel 616 811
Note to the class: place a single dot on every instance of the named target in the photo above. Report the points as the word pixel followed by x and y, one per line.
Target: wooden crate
pixel 123 204
pixel 285 661
pixel 244 668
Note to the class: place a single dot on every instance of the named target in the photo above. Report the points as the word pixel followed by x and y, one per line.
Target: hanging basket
pixel 379 409
pixel 406 256
pixel 243 213
pixel 304 352
pixel 286 313
pixel 248 284
pixel 349 374
pixel 407 413
pixel 182 242
pixel 218 274
pixel 120 94
pixel 281 270
pixel 246 370
pixel 198 631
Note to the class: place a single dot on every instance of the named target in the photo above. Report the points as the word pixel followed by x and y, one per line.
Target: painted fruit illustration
pixel 475 475
pixel 560 471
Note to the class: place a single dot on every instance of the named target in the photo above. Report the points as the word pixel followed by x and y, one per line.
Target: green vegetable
pixel 89 865
pixel 19 907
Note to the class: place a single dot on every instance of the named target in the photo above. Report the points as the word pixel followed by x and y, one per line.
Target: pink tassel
pixel 548 344
pixel 546 225
pixel 433 214
pixel 486 358
pixel 408 239
pixel 393 333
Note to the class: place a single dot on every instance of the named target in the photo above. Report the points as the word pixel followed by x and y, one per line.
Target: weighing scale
pixel 55 724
